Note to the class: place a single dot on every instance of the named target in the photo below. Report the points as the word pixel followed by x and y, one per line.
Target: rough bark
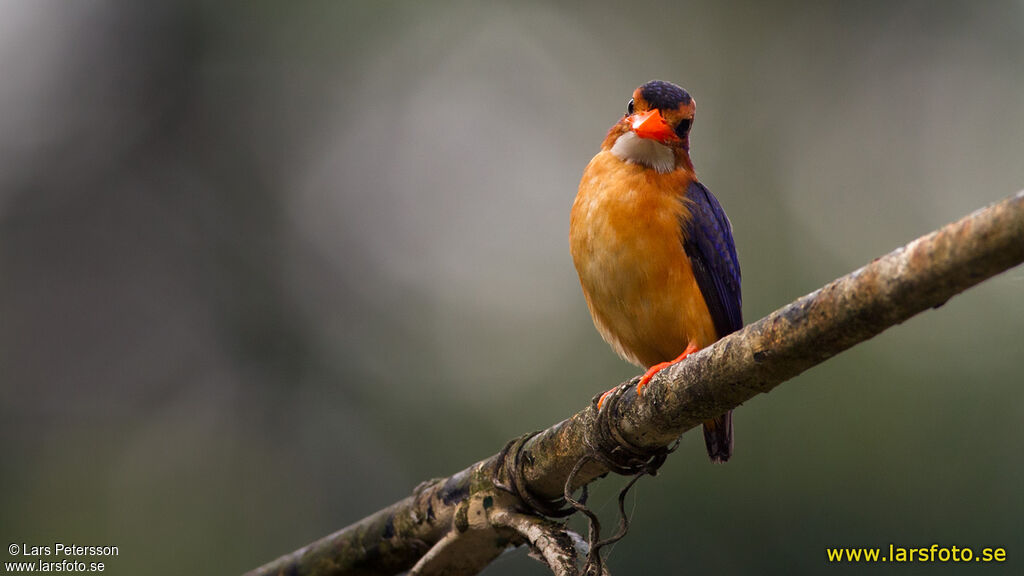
pixel 923 274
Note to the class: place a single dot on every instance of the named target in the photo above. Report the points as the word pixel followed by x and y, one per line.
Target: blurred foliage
pixel 266 266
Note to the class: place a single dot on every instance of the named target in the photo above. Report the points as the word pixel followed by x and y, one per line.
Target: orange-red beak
pixel 651 125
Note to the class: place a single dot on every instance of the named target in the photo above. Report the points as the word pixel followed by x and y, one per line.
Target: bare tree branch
pixel 923 274
pixel 549 541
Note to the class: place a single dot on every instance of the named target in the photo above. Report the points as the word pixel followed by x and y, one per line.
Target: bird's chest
pixel 625 232
pixel 627 245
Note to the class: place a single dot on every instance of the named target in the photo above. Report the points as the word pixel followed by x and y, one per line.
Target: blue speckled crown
pixel 664 95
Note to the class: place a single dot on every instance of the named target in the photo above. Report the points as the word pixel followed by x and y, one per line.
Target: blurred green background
pixel 265 266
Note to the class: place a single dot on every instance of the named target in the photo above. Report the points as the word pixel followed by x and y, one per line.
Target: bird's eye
pixel 629 107
pixel 683 128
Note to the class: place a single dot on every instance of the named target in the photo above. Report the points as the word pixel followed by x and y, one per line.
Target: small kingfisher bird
pixel 653 247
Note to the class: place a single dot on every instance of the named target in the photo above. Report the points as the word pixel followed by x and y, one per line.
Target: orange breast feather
pixel 626 241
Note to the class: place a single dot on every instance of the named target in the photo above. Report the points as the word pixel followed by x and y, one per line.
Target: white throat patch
pixel 632 148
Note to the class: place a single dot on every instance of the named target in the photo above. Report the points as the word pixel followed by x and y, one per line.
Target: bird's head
pixel 661 111
pixel 656 126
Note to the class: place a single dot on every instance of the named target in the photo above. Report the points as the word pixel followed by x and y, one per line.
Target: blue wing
pixel 707 239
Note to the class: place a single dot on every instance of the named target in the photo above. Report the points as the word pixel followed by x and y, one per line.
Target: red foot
pixel 646 378
pixel 603 396
pixel 690 349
